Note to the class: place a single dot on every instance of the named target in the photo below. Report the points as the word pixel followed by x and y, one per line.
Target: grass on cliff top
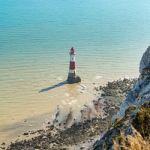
pixel 142 122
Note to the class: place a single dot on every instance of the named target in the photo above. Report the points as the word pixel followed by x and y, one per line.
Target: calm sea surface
pixel 35 37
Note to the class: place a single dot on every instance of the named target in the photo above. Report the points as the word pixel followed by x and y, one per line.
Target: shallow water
pixel 35 37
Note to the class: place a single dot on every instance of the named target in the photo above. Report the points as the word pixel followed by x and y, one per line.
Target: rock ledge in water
pixel 75 79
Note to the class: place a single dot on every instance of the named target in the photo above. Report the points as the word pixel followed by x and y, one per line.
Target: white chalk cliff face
pixel 130 128
pixel 141 90
pixel 145 61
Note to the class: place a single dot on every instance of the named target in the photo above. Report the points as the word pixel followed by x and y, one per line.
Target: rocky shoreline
pixel 130 129
pixel 95 120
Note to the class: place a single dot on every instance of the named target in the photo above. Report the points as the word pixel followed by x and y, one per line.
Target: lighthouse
pixel 72 77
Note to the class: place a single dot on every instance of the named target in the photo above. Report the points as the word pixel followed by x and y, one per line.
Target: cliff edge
pixel 130 129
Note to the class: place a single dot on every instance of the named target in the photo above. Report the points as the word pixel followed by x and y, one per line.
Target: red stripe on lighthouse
pixel 72 65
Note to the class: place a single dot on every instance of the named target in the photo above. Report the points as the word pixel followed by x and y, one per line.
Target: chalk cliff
pixel 130 128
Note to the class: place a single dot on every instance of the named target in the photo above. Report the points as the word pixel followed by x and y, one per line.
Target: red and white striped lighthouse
pixel 72 66
pixel 72 78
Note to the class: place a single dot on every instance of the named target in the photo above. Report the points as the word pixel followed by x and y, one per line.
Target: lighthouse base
pixel 73 79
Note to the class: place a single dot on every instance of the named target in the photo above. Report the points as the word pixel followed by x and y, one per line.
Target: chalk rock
pixel 145 61
pixel 141 90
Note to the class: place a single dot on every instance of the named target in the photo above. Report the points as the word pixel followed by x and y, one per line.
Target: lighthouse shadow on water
pixel 72 77
pixel 53 86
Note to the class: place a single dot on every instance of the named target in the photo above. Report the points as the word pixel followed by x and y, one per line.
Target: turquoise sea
pixel 35 37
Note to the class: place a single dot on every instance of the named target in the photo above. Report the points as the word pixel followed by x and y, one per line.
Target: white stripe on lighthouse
pixel 72 57
pixel 72 78
pixel 72 71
